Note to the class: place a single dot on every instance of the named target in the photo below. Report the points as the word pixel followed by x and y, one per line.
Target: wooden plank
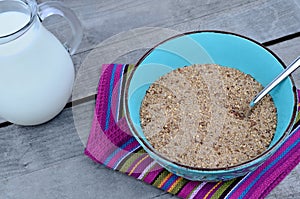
pixel 289 187
pixel 83 117
pixel 262 20
pixel 289 51
pixel 76 178
pixel 27 149
pixel 79 178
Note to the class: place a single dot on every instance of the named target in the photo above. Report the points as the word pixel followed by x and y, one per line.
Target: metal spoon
pixel 291 68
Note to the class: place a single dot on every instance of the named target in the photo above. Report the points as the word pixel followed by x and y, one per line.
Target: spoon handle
pixel 291 68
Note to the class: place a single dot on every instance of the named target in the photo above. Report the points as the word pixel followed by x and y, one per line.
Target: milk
pixel 36 72
pixel 12 22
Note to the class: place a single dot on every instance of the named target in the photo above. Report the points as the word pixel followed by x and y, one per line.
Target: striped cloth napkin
pixel 111 143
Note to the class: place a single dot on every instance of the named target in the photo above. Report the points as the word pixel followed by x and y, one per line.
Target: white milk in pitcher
pixel 12 22
pixel 36 72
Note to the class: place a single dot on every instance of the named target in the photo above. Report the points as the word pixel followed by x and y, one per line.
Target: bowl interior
pixel 212 47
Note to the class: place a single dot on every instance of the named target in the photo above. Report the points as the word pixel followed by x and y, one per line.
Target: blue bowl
pixel 225 49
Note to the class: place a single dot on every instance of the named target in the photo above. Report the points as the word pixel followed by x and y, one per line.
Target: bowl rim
pixel 242 165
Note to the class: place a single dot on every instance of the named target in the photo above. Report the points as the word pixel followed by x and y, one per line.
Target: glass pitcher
pixel 36 70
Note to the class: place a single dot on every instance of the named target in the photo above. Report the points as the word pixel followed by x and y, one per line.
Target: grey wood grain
pixel 262 20
pixel 289 51
pixel 79 177
pixel 27 149
pixel 289 187
pixel 76 178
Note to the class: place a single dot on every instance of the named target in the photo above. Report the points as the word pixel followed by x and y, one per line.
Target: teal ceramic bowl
pixel 225 49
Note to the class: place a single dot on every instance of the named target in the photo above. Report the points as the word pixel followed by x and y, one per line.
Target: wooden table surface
pixel 47 161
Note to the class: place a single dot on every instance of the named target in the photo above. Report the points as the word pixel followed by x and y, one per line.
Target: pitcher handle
pixel 47 9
